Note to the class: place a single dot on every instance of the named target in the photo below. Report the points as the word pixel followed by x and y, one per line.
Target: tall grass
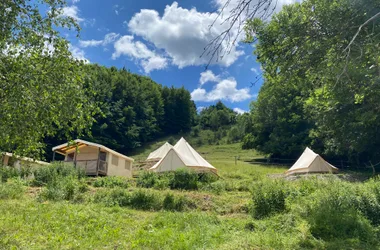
pixel 12 190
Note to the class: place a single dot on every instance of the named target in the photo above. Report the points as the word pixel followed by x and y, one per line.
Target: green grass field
pixel 244 209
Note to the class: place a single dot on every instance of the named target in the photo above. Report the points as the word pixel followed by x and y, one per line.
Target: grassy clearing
pixel 244 209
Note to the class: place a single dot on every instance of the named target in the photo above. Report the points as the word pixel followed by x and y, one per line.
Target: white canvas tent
pixel 310 162
pixel 159 153
pixel 182 155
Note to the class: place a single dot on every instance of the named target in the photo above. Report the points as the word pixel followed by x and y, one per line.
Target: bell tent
pixel 182 155
pixel 310 162
pixel 159 153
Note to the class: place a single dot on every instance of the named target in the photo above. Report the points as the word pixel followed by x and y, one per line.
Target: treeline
pixel 218 124
pixel 322 82
pixel 132 109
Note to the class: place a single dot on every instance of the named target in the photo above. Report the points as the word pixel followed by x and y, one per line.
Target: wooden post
pixel 75 155
pixel 97 164
pixel 53 155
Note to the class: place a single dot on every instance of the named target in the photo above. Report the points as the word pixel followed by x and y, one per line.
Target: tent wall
pixel 170 162
pixel 118 166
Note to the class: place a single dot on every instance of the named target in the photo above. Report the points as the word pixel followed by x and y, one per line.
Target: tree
pixel 328 96
pixel 42 89
pixel 235 13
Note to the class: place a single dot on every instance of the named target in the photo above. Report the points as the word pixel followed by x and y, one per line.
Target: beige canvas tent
pixel 182 155
pixel 12 160
pixel 310 162
pixel 159 153
pixel 95 159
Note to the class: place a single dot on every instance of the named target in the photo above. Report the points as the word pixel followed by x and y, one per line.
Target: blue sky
pixel 164 39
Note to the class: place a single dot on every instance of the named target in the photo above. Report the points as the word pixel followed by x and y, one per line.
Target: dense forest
pixel 132 109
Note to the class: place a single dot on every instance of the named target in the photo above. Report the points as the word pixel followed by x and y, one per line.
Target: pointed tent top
pixel 160 152
pixel 186 154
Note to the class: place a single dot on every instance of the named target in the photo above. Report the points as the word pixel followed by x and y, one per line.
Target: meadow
pixel 247 207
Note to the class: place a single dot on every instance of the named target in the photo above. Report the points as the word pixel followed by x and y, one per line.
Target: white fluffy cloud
pixel 148 59
pixel 240 111
pixel 225 89
pixel 72 11
pixel 208 76
pixel 108 39
pixel 182 33
pixel 77 53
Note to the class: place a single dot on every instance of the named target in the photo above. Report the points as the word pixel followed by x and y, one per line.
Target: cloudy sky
pixel 164 40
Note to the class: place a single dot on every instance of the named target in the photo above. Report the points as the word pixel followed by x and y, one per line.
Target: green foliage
pixel 50 174
pixel 317 90
pixel 147 179
pixel 207 177
pixel 332 213
pixel 11 190
pixel 52 98
pixel 184 179
pixel 113 197
pixel 268 198
pixel 111 182
pixel 11 172
pixel 145 200
pixel 65 188
pixel 174 203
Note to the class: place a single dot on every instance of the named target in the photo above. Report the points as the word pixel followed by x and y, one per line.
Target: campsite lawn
pixel 245 209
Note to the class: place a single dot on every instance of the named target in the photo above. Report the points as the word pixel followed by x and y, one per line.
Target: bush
pixel 174 203
pixel 8 172
pixel 114 197
pixel 145 200
pixel 268 198
pixel 12 172
pixel 11 190
pixel 49 174
pixel 184 179
pixel 111 182
pixel 369 201
pixel 207 178
pixel 147 179
pixel 332 213
pixel 67 188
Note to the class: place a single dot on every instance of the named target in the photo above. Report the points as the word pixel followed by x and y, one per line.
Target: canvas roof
pixel 310 162
pixel 66 148
pixel 160 152
pixel 182 155
pixel 22 158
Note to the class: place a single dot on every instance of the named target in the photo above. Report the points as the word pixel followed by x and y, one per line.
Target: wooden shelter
pixel 95 159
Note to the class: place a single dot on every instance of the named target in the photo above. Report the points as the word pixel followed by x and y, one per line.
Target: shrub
pixel 184 179
pixel 8 172
pixel 12 172
pixel 174 203
pixel 11 190
pixel 114 197
pixel 268 198
pixel 207 178
pixel 332 213
pixel 67 188
pixel 369 201
pixel 147 179
pixel 48 174
pixel 162 182
pixel 145 200
pixel 111 182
